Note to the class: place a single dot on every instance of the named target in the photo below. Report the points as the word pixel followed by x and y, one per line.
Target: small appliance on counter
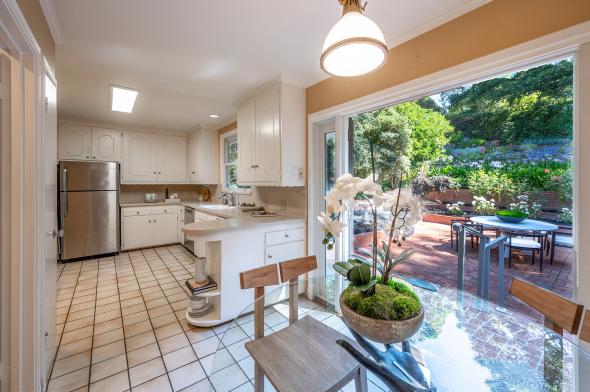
pixel 151 198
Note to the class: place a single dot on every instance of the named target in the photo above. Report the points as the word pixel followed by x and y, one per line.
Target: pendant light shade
pixel 355 46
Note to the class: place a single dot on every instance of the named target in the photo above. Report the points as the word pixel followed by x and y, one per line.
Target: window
pixel 229 168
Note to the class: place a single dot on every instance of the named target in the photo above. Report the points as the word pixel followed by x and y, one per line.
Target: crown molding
pixel 53 21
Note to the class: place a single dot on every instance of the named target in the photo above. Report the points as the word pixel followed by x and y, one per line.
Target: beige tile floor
pixel 121 327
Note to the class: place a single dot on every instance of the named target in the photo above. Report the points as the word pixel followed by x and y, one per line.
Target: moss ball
pixel 394 301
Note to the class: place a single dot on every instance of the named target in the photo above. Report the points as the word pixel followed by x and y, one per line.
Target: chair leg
pixel 509 256
pixel 533 257
pixel 451 236
pixel 360 380
pixel 258 379
pixel 541 259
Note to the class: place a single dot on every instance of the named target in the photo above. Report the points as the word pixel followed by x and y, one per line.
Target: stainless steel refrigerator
pixel 88 208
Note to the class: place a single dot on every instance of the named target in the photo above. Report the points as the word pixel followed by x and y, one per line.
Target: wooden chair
pixel 585 328
pixel 321 339
pixel 291 270
pixel 560 313
pixel 257 279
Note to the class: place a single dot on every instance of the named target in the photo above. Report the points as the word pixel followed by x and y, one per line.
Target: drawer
pixel 161 210
pixel 282 236
pixel 133 211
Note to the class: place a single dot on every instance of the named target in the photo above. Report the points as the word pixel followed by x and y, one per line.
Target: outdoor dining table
pixel 465 344
pixel 526 225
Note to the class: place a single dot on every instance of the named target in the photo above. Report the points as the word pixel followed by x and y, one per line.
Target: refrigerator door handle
pixel 65 192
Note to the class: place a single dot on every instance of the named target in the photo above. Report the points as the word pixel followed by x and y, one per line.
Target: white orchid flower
pixel 334 227
pixel 368 186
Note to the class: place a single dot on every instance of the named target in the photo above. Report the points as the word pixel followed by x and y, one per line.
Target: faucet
pixel 228 198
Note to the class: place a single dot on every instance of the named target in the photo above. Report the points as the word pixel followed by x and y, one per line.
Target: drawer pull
pixel 269 256
pixel 149 221
pixel 286 235
pixel 137 212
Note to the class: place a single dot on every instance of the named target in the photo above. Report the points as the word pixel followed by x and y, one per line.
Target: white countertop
pixel 233 218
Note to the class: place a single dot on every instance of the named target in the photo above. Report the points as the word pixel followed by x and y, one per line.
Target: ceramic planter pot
pixel 381 331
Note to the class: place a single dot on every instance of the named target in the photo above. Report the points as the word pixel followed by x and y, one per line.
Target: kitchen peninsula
pixel 235 243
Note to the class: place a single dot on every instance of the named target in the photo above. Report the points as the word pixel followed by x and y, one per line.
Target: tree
pixel 427 135
pixel 534 103
pixel 385 136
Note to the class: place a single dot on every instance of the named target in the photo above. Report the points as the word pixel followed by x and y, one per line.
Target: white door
pixel 268 137
pixel 50 221
pixel 246 143
pixel 75 142
pixel 137 231
pixel 172 159
pixel 106 144
pixel 139 158
pixel 165 229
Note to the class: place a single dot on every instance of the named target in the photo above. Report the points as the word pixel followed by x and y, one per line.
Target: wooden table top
pixel 304 357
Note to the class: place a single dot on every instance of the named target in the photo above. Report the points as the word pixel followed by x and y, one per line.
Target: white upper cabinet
pixel 139 158
pixel 74 142
pixel 271 137
pixel 106 144
pixel 246 142
pixel 81 142
pixel 203 157
pixel 171 159
pixel 150 158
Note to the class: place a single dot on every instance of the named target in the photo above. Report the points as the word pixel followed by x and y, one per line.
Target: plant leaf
pixel 419 283
pixel 365 272
pixel 367 285
pixel 364 252
pixel 342 267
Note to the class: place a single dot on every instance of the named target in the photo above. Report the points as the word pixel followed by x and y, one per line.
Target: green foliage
pixel 388 133
pixel 385 259
pixel 389 302
pixel 493 185
pixel 512 213
pixel 534 103
pixel 404 136
pixel 429 132
pixel 357 273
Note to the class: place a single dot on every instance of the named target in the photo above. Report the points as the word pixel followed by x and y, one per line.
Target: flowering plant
pixel 523 205
pixel 482 206
pixel 455 208
pixel 405 211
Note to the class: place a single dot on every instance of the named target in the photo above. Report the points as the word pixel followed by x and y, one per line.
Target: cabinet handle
pixel 269 256
pixel 137 212
pixel 193 172
pixel 149 221
pixel 255 166
pixel 286 235
pixel 93 157
pixel 154 221
pixel 87 157
pixel 155 173
pixel 159 172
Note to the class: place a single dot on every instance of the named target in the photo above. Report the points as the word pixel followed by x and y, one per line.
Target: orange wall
pixel 495 26
pixel 33 13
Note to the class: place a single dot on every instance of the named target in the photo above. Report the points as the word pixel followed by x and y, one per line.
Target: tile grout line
pixel 150 321
pixel 93 322
pixel 122 324
pixel 65 322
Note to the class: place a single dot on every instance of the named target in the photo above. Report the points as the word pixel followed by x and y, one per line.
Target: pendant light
pixel 355 46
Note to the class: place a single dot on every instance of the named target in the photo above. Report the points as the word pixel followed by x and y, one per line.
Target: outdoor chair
pixel 456 225
pixel 563 238
pixel 533 241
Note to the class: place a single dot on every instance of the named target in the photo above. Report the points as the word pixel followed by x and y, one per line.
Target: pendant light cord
pixel 352 5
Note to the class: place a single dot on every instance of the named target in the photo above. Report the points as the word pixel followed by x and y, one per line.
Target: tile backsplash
pixel 292 200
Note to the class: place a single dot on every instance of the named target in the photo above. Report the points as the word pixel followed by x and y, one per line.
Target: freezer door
pixel 90 221
pixel 88 176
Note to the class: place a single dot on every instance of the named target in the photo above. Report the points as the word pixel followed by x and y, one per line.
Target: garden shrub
pixel 491 185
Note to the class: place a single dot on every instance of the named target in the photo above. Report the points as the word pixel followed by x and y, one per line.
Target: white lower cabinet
pixel 148 226
pixel 284 252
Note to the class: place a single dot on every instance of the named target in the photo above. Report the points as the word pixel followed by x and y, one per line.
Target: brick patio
pixel 436 262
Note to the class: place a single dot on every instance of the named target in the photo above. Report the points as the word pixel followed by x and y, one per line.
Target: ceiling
pixel 192 58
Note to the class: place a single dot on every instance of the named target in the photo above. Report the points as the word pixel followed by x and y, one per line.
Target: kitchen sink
pixel 217 207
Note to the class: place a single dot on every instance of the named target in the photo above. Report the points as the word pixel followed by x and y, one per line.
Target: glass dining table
pixel 465 344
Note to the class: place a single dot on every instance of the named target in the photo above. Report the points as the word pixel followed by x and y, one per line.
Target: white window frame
pixel 223 140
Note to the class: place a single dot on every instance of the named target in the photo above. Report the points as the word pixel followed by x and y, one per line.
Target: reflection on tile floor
pixel 121 327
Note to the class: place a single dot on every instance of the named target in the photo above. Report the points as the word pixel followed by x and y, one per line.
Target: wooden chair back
pixel 560 313
pixel 291 270
pixel 585 328
pixel 258 279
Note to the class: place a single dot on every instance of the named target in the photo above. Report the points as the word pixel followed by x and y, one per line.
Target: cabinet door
pixel 284 252
pixel 106 144
pixel 171 159
pixel 139 158
pixel 268 137
pixel 74 142
pixel 165 229
pixel 137 231
pixel 208 156
pixel 246 143
pixel 193 158
pixel 180 235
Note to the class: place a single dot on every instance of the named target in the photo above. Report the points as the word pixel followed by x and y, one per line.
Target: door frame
pixel 25 227
pixel 564 43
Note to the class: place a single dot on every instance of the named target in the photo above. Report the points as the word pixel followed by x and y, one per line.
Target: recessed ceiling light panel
pixel 214 115
pixel 123 99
